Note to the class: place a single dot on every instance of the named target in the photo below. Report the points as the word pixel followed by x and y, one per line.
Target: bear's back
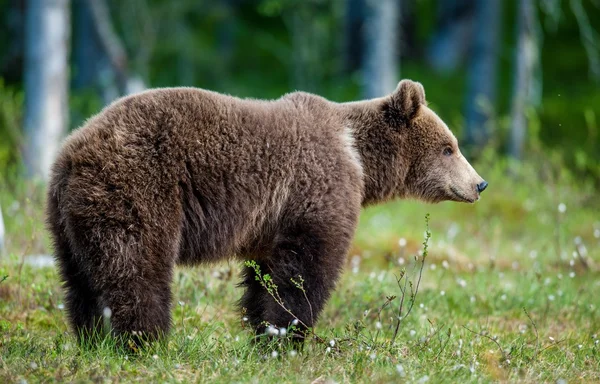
pixel 240 163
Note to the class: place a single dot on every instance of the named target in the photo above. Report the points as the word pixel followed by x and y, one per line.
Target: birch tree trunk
pixel 450 42
pixel 46 82
pixel 481 93
pixel 1 233
pixel 380 59
pixel 525 83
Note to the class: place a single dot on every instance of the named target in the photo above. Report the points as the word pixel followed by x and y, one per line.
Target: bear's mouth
pixel 460 197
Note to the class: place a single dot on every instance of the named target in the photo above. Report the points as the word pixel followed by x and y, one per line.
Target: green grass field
pixel 510 292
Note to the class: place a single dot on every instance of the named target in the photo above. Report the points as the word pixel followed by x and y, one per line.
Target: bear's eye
pixel 448 151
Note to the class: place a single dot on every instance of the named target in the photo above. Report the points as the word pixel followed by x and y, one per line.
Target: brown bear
pixel 188 176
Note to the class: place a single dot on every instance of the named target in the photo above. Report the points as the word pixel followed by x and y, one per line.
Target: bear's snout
pixel 482 186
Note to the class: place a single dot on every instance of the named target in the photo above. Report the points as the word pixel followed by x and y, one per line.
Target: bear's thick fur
pixel 185 176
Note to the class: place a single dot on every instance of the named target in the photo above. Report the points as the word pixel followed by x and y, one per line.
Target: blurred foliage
pixel 265 48
pixel 11 113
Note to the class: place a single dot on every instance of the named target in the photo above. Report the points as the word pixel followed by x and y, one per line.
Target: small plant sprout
pixel 266 281
pixel 299 283
pixel 407 284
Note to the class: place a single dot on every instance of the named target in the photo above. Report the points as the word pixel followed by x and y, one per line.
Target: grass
pixel 509 293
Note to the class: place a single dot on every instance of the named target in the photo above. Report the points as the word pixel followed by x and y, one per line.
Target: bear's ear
pixel 404 103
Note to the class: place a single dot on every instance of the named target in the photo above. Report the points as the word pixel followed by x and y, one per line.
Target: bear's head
pixel 433 168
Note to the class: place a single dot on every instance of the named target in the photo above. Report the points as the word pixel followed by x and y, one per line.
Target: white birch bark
pixel 526 60
pixel 46 82
pixel 380 61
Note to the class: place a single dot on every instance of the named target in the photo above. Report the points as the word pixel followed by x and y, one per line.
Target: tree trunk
pixel 525 83
pixel 354 20
pixel 92 68
pixel 481 94
pixel 450 42
pixel 380 59
pixel 1 233
pixel 46 82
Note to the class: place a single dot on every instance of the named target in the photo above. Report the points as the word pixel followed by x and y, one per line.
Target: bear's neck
pixel 384 173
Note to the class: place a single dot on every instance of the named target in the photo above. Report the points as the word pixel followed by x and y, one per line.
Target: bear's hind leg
pixel 81 300
pixel 138 300
pixel 131 272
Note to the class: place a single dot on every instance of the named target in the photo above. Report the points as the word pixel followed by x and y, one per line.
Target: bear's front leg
pixel 304 265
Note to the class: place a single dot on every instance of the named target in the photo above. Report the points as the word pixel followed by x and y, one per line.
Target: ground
pixel 509 292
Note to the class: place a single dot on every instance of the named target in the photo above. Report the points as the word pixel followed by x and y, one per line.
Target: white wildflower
pixel 533 254
pixel 400 370
pixel 272 331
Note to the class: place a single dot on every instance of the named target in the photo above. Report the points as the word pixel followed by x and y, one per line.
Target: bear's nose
pixel 482 186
